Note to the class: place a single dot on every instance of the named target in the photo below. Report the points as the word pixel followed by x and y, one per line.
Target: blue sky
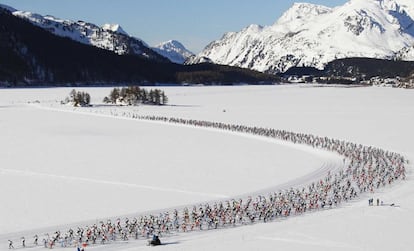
pixel 195 23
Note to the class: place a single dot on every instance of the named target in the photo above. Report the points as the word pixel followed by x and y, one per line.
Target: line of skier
pixel 365 169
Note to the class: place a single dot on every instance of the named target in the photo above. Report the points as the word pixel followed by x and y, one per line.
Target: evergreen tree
pixel 150 98
pixel 157 97
pixel 122 95
pixel 144 96
pixel 86 98
pixel 114 95
pixel 78 98
pixel 72 95
pixel 164 98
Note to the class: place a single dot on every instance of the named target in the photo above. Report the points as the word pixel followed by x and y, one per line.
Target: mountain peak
pixel 298 15
pixel 254 28
pixel 170 44
pixel 174 51
pixel 114 28
pixel 303 11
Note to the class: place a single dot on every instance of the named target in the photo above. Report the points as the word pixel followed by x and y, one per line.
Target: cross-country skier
pixel 36 238
pixel 11 244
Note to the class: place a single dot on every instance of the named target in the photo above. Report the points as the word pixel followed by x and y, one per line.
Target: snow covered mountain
pixel 313 35
pixel 109 37
pixel 174 51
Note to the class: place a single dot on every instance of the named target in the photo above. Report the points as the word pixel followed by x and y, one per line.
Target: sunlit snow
pixel 62 165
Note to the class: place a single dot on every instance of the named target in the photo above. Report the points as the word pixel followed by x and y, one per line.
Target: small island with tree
pixel 78 99
pixel 134 95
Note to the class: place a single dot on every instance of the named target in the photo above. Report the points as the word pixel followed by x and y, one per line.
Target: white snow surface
pixel 174 51
pixel 313 35
pixel 62 165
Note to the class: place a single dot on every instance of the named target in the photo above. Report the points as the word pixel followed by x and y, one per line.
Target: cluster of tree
pixel 78 98
pixel 134 95
pixel 353 70
pixel 206 73
pixel 366 68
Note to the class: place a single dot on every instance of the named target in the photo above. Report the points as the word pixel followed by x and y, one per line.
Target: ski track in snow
pixel 332 162
pixel 319 152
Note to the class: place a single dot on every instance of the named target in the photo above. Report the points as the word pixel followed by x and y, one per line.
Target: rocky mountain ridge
pixel 110 37
pixel 312 35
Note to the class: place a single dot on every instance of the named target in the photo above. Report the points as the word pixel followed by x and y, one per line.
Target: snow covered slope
pixel 174 51
pixel 109 37
pixel 312 35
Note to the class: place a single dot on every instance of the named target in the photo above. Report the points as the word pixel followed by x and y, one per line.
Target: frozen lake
pixel 62 165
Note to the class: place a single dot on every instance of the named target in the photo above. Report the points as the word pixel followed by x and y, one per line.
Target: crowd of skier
pixel 365 169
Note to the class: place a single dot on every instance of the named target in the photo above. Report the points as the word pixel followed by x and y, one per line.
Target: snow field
pixel 281 106
pixel 68 162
